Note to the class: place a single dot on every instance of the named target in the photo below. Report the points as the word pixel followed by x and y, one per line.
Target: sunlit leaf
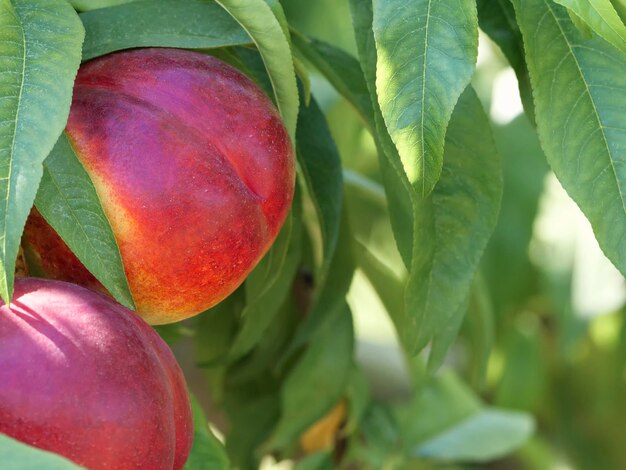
pixel 426 53
pixel 601 17
pixel 402 199
pixel 259 21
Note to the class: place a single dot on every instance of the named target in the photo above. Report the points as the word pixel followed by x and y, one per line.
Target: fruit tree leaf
pixel 268 285
pixel 207 452
pixel 15 455
pixel 329 298
pixel 486 435
pixel 68 201
pixel 345 74
pixel 580 24
pixel 454 225
pixel 580 96
pixel 447 422
pixel 258 19
pixel 506 264
pixel 316 461
pixel 193 24
pixel 40 43
pixel 601 17
pixel 321 167
pixel 620 7
pixel 86 5
pixel 402 199
pixel 497 19
pixel 317 381
pixel 426 55
pixel 341 70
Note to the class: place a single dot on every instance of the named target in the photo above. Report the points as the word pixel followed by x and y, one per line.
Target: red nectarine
pixel 86 378
pixel 194 169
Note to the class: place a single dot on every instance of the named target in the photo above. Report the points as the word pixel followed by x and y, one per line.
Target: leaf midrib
pixel 57 186
pixel 591 99
pixel 422 108
pixel 12 151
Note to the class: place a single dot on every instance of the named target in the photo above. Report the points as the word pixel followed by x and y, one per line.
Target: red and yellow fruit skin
pixel 86 378
pixel 194 169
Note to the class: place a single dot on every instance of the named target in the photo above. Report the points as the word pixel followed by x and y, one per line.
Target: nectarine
pixel 194 169
pixel 86 378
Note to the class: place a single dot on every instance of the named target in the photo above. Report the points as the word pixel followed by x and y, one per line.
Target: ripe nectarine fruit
pixel 86 378
pixel 194 169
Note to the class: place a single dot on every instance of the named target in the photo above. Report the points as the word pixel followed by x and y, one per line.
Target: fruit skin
pixel 194 169
pixel 86 378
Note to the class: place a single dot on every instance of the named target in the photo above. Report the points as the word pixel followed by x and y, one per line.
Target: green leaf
pixel 207 452
pixel 342 71
pixel 524 378
pixel 480 331
pixel 580 94
pixel 216 329
pixel 402 199
pixel 40 43
pixel 321 167
pixel 316 461
pixel 487 435
pixel 426 55
pixel 251 419
pixel 86 5
pixel 442 402
pixel 454 225
pixel 15 455
pixel 445 335
pixel 601 17
pixel 620 7
pixel 506 265
pixel 317 381
pixel 268 285
pixel 358 395
pixel 329 298
pixel 68 201
pixel 193 24
pixel 497 19
pixel 258 19
pixel 580 24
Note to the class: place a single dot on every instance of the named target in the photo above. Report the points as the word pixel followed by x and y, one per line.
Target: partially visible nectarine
pixel 194 169
pixel 86 378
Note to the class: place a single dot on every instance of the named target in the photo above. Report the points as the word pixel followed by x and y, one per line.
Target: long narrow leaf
pixel 455 223
pixel 258 19
pixel 192 24
pixel 601 17
pixel 426 55
pixel 580 95
pixel 40 44
pixel 68 201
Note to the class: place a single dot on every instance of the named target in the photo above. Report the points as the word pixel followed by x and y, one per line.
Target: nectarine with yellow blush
pixel 194 169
